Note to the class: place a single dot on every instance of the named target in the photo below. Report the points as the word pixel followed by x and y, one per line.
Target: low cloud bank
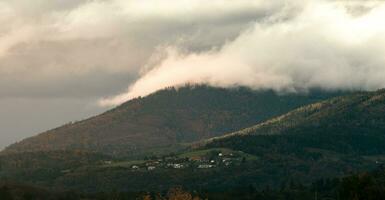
pixel 322 44
pixel 46 44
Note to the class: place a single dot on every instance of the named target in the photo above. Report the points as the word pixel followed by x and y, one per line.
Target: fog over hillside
pixel 70 59
pixel 315 44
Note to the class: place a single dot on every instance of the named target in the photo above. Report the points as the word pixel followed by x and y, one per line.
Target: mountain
pixel 352 124
pixel 165 120
pixel 327 139
pixel 324 140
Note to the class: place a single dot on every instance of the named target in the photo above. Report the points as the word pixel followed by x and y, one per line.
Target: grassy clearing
pixel 124 163
pixel 225 151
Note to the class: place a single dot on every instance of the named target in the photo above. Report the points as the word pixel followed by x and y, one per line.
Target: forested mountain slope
pixel 168 118
pixel 329 139
pixel 351 124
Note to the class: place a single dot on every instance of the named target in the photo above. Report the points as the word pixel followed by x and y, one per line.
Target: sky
pixel 63 61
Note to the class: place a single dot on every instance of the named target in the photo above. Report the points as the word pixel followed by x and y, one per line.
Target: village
pixel 200 160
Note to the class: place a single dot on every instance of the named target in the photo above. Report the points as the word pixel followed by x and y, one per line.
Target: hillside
pixel 166 119
pixel 352 124
pixel 328 139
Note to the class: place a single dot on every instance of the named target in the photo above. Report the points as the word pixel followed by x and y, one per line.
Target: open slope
pixel 166 119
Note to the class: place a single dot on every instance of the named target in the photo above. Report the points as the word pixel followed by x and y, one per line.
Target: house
pixel 178 166
pixel 175 165
pixel 205 166
pixel 108 162
pixel 195 158
pixel 135 167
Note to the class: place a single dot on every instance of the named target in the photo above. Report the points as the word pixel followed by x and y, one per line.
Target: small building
pixel 195 158
pixel 150 168
pixel 108 162
pixel 178 166
pixel 175 165
pixel 205 166
pixel 135 167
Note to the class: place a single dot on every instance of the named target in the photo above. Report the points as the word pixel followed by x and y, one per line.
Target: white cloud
pixel 55 41
pixel 61 55
pixel 325 45
pixel 86 49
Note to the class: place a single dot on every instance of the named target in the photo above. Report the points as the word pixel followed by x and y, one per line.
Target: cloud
pixel 61 55
pixel 48 43
pixel 307 44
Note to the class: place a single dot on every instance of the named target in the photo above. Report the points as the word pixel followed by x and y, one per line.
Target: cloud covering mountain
pixel 316 44
pixel 56 54
pixel 81 54
pixel 65 41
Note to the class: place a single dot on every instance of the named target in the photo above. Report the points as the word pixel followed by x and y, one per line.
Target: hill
pixel 352 124
pixel 164 120
pixel 328 139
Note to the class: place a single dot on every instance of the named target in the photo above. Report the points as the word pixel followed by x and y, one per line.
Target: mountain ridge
pixel 167 119
pixel 326 139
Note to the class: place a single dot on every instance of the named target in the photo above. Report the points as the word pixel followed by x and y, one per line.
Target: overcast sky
pixel 65 60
